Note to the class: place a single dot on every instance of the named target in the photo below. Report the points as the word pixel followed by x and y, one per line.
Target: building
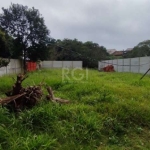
pixel 111 51
pixel 118 53
pixel 114 52
pixel 129 49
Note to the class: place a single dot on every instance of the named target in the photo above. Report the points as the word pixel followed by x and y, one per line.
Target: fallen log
pixel 20 98
pixel 55 99
pixel 11 98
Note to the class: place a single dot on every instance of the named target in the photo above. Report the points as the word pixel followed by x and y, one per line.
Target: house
pixel 121 53
pixel 129 49
pixel 118 53
pixel 111 51
pixel 114 52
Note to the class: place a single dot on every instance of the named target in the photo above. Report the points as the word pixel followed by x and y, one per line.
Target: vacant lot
pixel 107 111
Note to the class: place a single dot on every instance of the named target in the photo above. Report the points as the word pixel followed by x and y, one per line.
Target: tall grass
pixel 107 111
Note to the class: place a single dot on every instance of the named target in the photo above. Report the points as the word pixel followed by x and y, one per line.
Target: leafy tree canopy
pixel 144 43
pixel 68 49
pixel 25 25
pixel 6 44
pixel 141 50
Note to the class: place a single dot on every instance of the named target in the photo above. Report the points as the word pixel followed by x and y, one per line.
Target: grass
pixel 108 111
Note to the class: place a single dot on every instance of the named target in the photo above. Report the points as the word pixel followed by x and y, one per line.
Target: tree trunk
pixel 24 61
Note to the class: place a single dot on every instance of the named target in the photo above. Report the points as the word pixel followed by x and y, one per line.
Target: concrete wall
pixel 137 65
pixel 13 67
pixel 61 64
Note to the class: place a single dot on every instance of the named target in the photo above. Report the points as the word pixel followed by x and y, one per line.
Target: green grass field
pixel 108 111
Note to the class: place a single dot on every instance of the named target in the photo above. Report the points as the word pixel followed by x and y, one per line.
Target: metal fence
pixel 61 64
pixel 136 65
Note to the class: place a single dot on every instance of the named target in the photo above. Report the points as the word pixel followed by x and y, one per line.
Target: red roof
pixel 118 53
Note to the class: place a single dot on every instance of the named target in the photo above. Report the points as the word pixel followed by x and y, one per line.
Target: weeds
pixel 107 111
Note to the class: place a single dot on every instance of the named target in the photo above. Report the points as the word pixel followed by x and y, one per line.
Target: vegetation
pixel 27 26
pixel 141 50
pixel 6 44
pixel 107 111
pixel 90 53
pixel 4 62
pixel 29 38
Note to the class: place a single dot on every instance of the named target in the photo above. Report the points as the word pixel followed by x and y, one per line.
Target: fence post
pixel 117 64
pixel 52 64
pixel 149 64
pixel 130 64
pixel 139 66
pixel 15 66
pixel 6 69
pixel 122 65
pixel 72 64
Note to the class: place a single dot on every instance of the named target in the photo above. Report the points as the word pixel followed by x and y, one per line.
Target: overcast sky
pixel 118 24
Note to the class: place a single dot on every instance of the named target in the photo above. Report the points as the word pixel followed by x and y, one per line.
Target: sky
pixel 114 24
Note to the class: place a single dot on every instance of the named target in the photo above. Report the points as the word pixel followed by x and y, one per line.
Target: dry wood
pixel 59 100
pixel 18 87
pixel 20 98
pixel 11 98
pixel 49 89
pixel 53 98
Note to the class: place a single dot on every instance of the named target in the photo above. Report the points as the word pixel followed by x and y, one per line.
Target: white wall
pixel 137 65
pixel 61 64
pixel 13 67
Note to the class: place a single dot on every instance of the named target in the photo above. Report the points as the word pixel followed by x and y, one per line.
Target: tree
pixel 27 26
pixel 4 62
pixel 90 53
pixel 93 53
pixel 6 44
pixel 141 50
